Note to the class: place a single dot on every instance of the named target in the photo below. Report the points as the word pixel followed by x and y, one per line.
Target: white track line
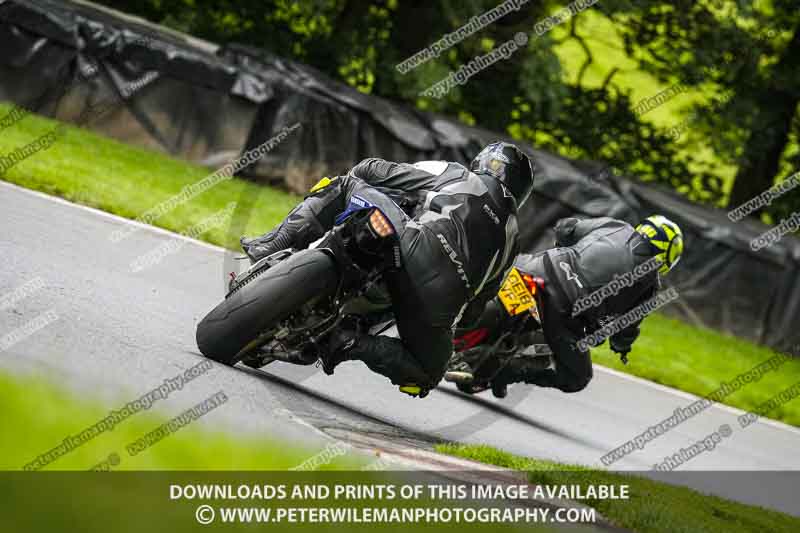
pixel 162 231
pixel 140 225
pixel 689 396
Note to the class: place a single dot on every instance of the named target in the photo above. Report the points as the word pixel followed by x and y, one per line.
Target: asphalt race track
pixel 119 333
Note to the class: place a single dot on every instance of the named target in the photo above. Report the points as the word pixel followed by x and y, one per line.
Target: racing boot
pixel 341 341
pixel 382 356
pixel 518 369
pixel 306 223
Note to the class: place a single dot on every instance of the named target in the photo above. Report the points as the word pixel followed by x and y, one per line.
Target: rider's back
pixel 604 250
pixel 469 214
pixel 474 220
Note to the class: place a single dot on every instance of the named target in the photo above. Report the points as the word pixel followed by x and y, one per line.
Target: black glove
pixel 621 348
pixel 344 337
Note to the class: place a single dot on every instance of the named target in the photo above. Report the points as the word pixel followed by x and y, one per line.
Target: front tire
pixel 261 303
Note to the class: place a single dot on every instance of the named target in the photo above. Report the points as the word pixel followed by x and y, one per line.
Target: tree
pixel 744 58
pixel 732 47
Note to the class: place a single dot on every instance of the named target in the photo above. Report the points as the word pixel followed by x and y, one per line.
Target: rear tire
pixel 262 302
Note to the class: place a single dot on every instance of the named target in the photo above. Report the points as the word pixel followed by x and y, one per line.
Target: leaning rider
pixel 460 239
pixel 590 254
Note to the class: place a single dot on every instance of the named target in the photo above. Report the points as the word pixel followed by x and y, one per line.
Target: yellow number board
pixel 515 295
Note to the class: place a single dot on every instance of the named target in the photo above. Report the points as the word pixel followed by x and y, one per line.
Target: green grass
pixel 608 52
pixel 128 181
pixel 653 507
pixel 37 416
pixel 697 360
pixel 125 180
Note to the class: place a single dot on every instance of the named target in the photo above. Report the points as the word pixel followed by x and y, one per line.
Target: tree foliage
pixel 744 58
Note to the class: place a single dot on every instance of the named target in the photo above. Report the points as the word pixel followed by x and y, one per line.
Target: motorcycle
pixel 285 306
pixel 487 349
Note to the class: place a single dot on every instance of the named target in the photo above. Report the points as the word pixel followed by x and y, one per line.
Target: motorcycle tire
pixel 264 300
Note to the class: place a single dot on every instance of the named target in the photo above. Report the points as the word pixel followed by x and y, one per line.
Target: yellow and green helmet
pixel 666 237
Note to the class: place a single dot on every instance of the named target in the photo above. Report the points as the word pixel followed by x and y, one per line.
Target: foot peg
pixel 257 361
pixel 457 376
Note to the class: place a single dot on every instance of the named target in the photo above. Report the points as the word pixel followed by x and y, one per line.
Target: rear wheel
pixel 266 299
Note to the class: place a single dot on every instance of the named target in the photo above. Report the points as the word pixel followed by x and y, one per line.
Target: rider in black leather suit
pixel 459 240
pixel 589 254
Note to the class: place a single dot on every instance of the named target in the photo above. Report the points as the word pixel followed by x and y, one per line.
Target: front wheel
pixel 263 302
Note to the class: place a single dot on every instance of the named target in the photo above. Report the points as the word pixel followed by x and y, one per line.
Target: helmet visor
pixel 491 160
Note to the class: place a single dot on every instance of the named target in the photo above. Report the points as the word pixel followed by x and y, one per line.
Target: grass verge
pixel 37 417
pixel 103 173
pixel 128 181
pixel 653 507
pixel 698 360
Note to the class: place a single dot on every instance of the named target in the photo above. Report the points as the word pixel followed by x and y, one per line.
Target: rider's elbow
pixel 365 168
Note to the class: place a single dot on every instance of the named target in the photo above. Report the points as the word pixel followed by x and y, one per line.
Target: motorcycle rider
pixel 460 239
pixel 590 255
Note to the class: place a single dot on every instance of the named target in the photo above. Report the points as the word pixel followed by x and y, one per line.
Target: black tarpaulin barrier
pixel 152 88
pixel 190 98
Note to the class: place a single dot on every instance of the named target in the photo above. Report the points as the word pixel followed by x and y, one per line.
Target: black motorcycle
pixel 483 351
pixel 285 306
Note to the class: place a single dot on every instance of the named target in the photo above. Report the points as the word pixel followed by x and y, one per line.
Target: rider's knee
pixel 580 378
pixel 577 384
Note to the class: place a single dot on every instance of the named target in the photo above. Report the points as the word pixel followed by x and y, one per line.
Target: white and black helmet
pixel 508 164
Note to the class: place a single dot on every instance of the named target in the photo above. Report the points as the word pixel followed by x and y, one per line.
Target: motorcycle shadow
pixel 500 409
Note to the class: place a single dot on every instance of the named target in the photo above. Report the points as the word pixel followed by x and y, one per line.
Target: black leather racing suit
pixel 460 239
pixel 590 254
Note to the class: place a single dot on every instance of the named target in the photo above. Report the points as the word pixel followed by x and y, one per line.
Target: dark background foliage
pixel 740 60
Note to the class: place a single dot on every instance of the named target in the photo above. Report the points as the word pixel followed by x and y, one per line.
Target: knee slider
pixel 577 385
